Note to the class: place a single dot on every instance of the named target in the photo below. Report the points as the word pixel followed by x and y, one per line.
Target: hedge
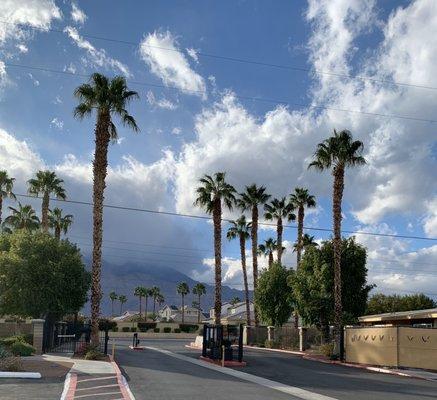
pixel 125 329
pixel 167 329
pixel 22 349
pixel 188 328
pixel 145 326
pixel 106 324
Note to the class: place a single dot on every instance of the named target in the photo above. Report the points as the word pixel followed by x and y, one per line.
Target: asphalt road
pixel 35 389
pixel 154 375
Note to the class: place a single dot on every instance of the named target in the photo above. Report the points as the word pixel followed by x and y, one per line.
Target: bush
pixel 22 349
pixel 133 329
pixel 10 364
pixel 177 330
pixel 327 349
pixel 4 352
pixel 86 348
pixel 167 329
pixel 125 329
pixel 10 340
pixel 156 330
pixel 93 355
pixel 145 326
pixel 114 329
pixel 188 328
pixel 272 344
pixel 106 324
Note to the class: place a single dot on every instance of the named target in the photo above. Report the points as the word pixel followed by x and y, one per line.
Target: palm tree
pixel 267 249
pixel 109 98
pixel 23 217
pixel 241 229
pixel 307 241
pixel 214 191
pixel 337 153
pixel 199 290
pixel 59 222
pixel 122 299
pixel 301 199
pixel 113 296
pixel 235 300
pixel 6 186
pixel 250 200
pixel 155 293
pixel 140 292
pixel 46 183
pixel 160 299
pixel 279 209
pixel 147 293
pixel 183 290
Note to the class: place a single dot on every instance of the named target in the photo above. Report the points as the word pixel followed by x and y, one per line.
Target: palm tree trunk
pixel 254 235
pixel 217 220
pixel 154 305
pixel 338 173
pixel 100 166
pixel 58 232
pixel 270 259
pixel 198 310
pixel 112 307
pixel 300 218
pixel 1 208
pixel 280 229
pixel 140 305
pixel 45 212
pixel 121 307
pixel 246 285
pixel 145 311
pixel 183 311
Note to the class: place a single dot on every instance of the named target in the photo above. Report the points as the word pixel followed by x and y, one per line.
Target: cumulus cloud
pixel 161 52
pixel 57 123
pixel 22 48
pixel 160 103
pixel 77 15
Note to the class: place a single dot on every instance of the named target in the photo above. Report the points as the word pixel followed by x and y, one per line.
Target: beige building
pixel 418 319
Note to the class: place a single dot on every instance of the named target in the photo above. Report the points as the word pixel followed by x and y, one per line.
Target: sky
pixel 208 102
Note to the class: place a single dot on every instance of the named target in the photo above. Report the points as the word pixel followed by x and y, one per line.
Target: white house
pixel 233 313
pixel 174 314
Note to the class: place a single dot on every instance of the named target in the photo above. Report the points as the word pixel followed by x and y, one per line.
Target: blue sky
pixel 184 134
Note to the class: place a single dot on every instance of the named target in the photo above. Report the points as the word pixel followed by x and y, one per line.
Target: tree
pixel 140 292
pixel 23 217
pixel 183 290
pixel 113 296
pixel 250 200
pixel 199 290
pixel 6 186
pixel 273 296
pixel 240 229
pixel 46 183
pixel 279 209
pixel 300 200
pixel 58 222
pixel 267 249
pixel 40 277
pixel 160 299
pixel 155 292
pixel 109 98
pixel 337 153
pixel 122 299
pixel 313 284
pixel 235 300
pixel 147 293
pixel 307 240
pixel 214 191
pixel 381 303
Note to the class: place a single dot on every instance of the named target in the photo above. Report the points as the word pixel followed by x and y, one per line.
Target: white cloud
pixel 97 57
pixel 430 220
pixel 160 103
pixel 57 123
pixel 22 48
pixel 161 52
pixel 70 68
pixel 176 130
pixel 77 15
pixel 57 100
pixel 33 79
pixel 193 54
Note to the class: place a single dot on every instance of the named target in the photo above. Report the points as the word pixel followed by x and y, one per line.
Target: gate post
pixel 38 335
pixel 204 340
pixel 106 341
pixel 240 344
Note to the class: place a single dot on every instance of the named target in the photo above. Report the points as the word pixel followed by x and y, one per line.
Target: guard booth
pixel 223 341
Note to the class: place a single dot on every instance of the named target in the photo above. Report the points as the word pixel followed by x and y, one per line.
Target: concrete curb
pixel 122 383
pixel 21 375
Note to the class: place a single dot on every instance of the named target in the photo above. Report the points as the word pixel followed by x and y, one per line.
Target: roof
pixel 415 314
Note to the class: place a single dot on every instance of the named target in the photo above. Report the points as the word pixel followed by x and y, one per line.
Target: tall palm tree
pixel 199 290
pixel 249 200
pixel 58 222
pixel 155 293
pixel 147 293
pixel 140 292
pixel 113 296
pixel 183 290
pixel 307 241
pixel 6 186
pixel 241 229
pixel 279 209
pixel 109 98
pixel 267 249
pixel 213 193
pixel 122 299
pixel 300 200
pixel 337 153
pixel 46 183
pixel 23 217
pixel 160 299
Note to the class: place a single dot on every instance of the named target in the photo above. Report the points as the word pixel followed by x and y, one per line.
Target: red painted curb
pixel 72 387
pixel 121 383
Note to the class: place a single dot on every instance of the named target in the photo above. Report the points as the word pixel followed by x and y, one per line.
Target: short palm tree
pixel 122 299
pixel 267 249
pixel 278 210
pixel 241 229
pixel 249 200
pixel 307 241
pixel 199 290
pixel 58 222
pixel 156 291
pixel 337 153
pixel 140 292
pixel 23 217
pixel 183 290
pixel 212 194
pixel 6 186
pixel 108 98
pixel 46 183
pixel 300 200
pixel 113 296
pixel 235 300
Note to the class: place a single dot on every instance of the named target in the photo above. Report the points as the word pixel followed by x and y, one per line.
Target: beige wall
pixel 418 348
pixel 15 328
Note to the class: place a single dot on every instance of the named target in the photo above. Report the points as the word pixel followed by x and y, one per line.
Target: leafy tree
pixel 381 303
pixel 46 183
pixel 313 284
pixel 58 222
pixel 273 295
pixel 113 296
pixel 199 290
pixel 337 153
pixel 6 186
pixel 240 229
pixel 41 276
pixel 279 209
pixel 214 191
pixel 250 199
pixel 122 299
pixel 300 200
pixel 140 292
pixel 183 290
pixel 23 217
pixel 108 98
pixel 267 249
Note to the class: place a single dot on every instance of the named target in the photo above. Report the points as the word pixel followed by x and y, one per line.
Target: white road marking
pixel 96 387
pixel 95 394
pixel 292 390
pixel 97 379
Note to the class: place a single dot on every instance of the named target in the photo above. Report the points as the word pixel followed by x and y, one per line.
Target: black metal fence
pixel 223 341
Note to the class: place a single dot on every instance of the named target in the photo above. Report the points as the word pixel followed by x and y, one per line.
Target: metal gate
pixel 223 341
pixel 64 337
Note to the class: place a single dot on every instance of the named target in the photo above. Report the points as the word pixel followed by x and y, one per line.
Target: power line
pixel 241 97
pixel 204 217
pixel 241 60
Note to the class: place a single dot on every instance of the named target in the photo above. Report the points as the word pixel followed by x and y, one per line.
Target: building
pixel 173 313
pixel 417 319
pixel 233 314
pixel 126 316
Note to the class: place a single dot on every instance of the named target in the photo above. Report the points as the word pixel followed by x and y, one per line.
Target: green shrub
pixel 188 328
pixel 145 326
pixel 10 340
pixel 156 330
pixel 10 364
pixel 4 352
pixel 272 344
pixel 86 347
pixel 22 349
pixel 167 329
pixel 93 355
pixel 327 349
pixel 133 329
pixel 106 324
pixel 125 329
pixel 177 330
pixel 114 329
